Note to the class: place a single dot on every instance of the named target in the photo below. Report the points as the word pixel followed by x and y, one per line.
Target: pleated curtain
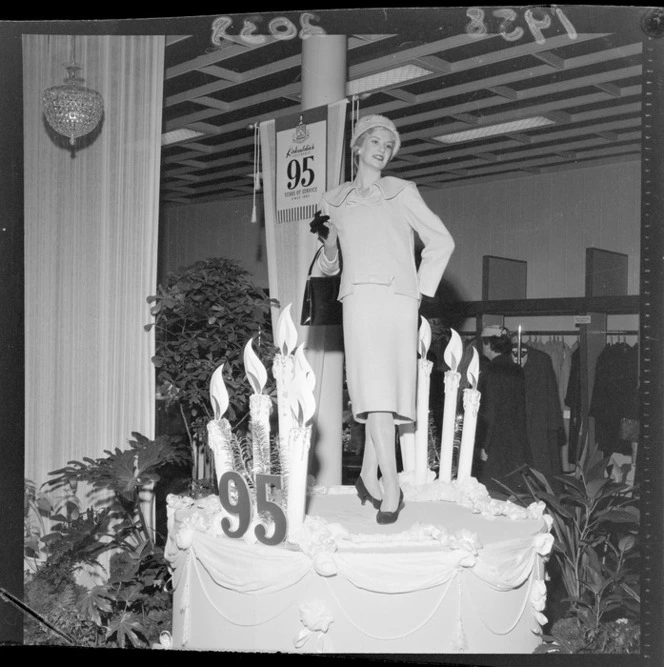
pixel 91 224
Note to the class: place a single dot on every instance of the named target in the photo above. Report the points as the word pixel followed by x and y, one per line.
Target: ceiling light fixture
pixel 181 134
pixel 390 77
pixel 72 109
pixel 491 130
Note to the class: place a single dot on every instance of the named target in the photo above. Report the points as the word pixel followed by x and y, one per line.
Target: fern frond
pixel 260 447
pixel 275 459
pixel 243 462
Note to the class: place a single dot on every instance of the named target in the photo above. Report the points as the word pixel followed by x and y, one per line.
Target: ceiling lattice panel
pixel 577 101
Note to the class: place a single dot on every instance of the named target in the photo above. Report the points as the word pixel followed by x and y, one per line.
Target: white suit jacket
pixel 376 237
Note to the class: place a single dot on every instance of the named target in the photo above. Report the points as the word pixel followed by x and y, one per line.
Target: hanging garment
pixel 573 402
pixel 557 350
pixel 544 418
pixel 615 395
pixel 565 369
pixel 501 427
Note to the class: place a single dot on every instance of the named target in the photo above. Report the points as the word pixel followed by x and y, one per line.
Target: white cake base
pixel 446 578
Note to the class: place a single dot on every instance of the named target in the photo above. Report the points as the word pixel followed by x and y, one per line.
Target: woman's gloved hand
pixel 318 226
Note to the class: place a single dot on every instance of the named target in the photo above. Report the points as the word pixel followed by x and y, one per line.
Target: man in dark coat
pixel 501 430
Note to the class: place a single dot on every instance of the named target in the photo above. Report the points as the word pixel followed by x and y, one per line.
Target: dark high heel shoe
pixel 390 517
pixel 364 495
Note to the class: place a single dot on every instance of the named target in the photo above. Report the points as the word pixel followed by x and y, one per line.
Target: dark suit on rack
pixel 615 395
pixel 544 418
pixel 501 427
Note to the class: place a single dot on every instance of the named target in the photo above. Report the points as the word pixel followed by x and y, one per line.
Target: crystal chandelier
pixel 72 109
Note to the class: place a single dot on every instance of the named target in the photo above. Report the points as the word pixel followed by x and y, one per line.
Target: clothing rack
pixel 592 334
pixel 559 332
pixel 576 332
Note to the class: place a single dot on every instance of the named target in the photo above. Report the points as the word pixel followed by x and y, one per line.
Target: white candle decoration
pixel 407 445
pixel 302 367
pixel 259 410
pixel 219 428
pixel 424 367
pixel 282 369
pixel 452 356
pixel 471 405
pixel 303 406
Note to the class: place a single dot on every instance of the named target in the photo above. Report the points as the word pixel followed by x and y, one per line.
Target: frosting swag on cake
pixel 459 572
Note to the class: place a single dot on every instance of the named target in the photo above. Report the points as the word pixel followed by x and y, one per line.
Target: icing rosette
pixel 317 536
pixel 184 538
pixel 536 510
pixel 325 565
pixel 538 602
pixel 544 544
pixel 468 541
pixel 316 619
pixel 175 502
pixel 317 540
pixel 165 641
pixel 315 616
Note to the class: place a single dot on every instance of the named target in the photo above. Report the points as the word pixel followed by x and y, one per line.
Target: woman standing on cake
pixel 372 220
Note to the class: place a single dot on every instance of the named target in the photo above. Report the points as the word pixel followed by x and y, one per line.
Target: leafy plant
pixel 133 606
pixel 38 507
pixel 124 471
pixel 569 635
pixel 595 525
pixel 204 316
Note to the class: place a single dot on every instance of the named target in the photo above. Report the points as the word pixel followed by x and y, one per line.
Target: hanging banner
pixel 301 161
pixel 291 247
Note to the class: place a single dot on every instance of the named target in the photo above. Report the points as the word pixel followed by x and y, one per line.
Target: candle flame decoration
pixel 301 398
pixel 453 351
pixel 256 373
pixel 473 371
pixel 302 366
pixel 286 333
pixel 424 338
pixel 218 393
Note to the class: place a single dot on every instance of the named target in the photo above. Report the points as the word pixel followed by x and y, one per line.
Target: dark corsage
pixel 317 225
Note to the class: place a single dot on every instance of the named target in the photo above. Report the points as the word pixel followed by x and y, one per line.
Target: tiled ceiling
pixel 585 85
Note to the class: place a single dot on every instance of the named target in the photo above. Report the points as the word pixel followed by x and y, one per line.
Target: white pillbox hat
pixel 374 120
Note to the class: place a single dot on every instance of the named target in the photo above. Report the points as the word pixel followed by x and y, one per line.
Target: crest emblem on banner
pixel 301 133
pixel 300 164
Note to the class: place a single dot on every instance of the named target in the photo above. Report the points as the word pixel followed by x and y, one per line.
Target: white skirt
pixel 380 341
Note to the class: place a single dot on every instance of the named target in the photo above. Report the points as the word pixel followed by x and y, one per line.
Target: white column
pixel 324 82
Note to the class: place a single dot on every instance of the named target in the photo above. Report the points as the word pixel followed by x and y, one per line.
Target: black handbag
pixel 320 305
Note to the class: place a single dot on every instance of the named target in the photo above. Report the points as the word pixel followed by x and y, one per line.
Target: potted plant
pixel 133 606
pixel 204 315
pixel 596 527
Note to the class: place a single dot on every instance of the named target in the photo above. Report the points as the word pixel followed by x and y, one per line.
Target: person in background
pixel 371 222
pixel 501 429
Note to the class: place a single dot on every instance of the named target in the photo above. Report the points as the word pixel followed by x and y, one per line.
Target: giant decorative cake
pixel 458 572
